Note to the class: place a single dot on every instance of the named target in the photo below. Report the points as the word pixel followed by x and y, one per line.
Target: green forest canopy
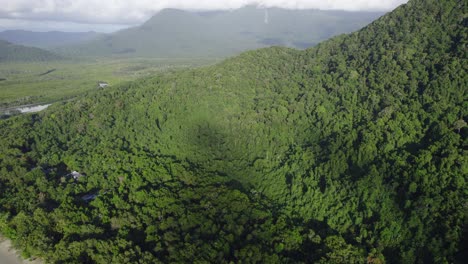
pixel 349 152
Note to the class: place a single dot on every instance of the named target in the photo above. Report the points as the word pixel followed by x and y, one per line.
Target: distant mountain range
pixel 176 33
pixel 173 33
pixel 11 52
pixel 46 40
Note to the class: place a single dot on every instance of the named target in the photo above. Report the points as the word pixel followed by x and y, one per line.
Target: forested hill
pixel 174 33
pixel 12 52
pixel 46 40
pixel 351 152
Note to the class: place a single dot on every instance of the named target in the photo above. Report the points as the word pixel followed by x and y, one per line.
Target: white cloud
pixel 136 11
pixel 131 12
pixel 11 24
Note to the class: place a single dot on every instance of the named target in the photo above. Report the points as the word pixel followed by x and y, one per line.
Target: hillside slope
pixel 12 52
pixel 349 152
pixel 46 40
pixel 175 33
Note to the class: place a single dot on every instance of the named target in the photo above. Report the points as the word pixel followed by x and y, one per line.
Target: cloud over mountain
pixel 136 11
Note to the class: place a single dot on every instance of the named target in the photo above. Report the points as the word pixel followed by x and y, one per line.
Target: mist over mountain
pixel 177 33
pixel 46 40
pixel 10 52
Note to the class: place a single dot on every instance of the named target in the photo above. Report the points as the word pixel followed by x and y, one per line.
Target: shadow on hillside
pixel 218 153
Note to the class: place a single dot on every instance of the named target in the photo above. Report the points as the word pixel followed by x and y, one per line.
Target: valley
pixel 25 82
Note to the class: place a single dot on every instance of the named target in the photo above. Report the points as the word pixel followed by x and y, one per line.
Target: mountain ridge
pixel 10 52
pixel 46 40
pixel 178 33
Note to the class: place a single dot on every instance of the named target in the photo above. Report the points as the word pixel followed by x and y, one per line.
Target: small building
pixel 75 175
pixel 102 84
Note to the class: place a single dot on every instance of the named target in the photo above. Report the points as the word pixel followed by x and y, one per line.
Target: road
pixel 9 255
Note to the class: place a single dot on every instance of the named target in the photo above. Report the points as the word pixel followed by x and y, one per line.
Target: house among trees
pixel 76 175
pixel 103 84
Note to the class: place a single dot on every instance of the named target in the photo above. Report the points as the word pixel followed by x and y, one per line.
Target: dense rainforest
pixel 354 151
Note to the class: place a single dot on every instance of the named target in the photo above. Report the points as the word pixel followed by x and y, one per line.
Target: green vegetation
pixel 182 34
pixel 27 83
pixel 350 152
pixel 10 52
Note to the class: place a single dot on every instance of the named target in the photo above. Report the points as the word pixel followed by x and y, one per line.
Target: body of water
pixel 32 109
pixel 23 109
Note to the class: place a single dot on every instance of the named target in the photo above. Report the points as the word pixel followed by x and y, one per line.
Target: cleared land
pixel 9 255
pixel 45 82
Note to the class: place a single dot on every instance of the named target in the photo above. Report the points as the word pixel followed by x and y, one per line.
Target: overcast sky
pixel 111 15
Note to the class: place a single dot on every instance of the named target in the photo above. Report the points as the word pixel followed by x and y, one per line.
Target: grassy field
pixel 29 83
